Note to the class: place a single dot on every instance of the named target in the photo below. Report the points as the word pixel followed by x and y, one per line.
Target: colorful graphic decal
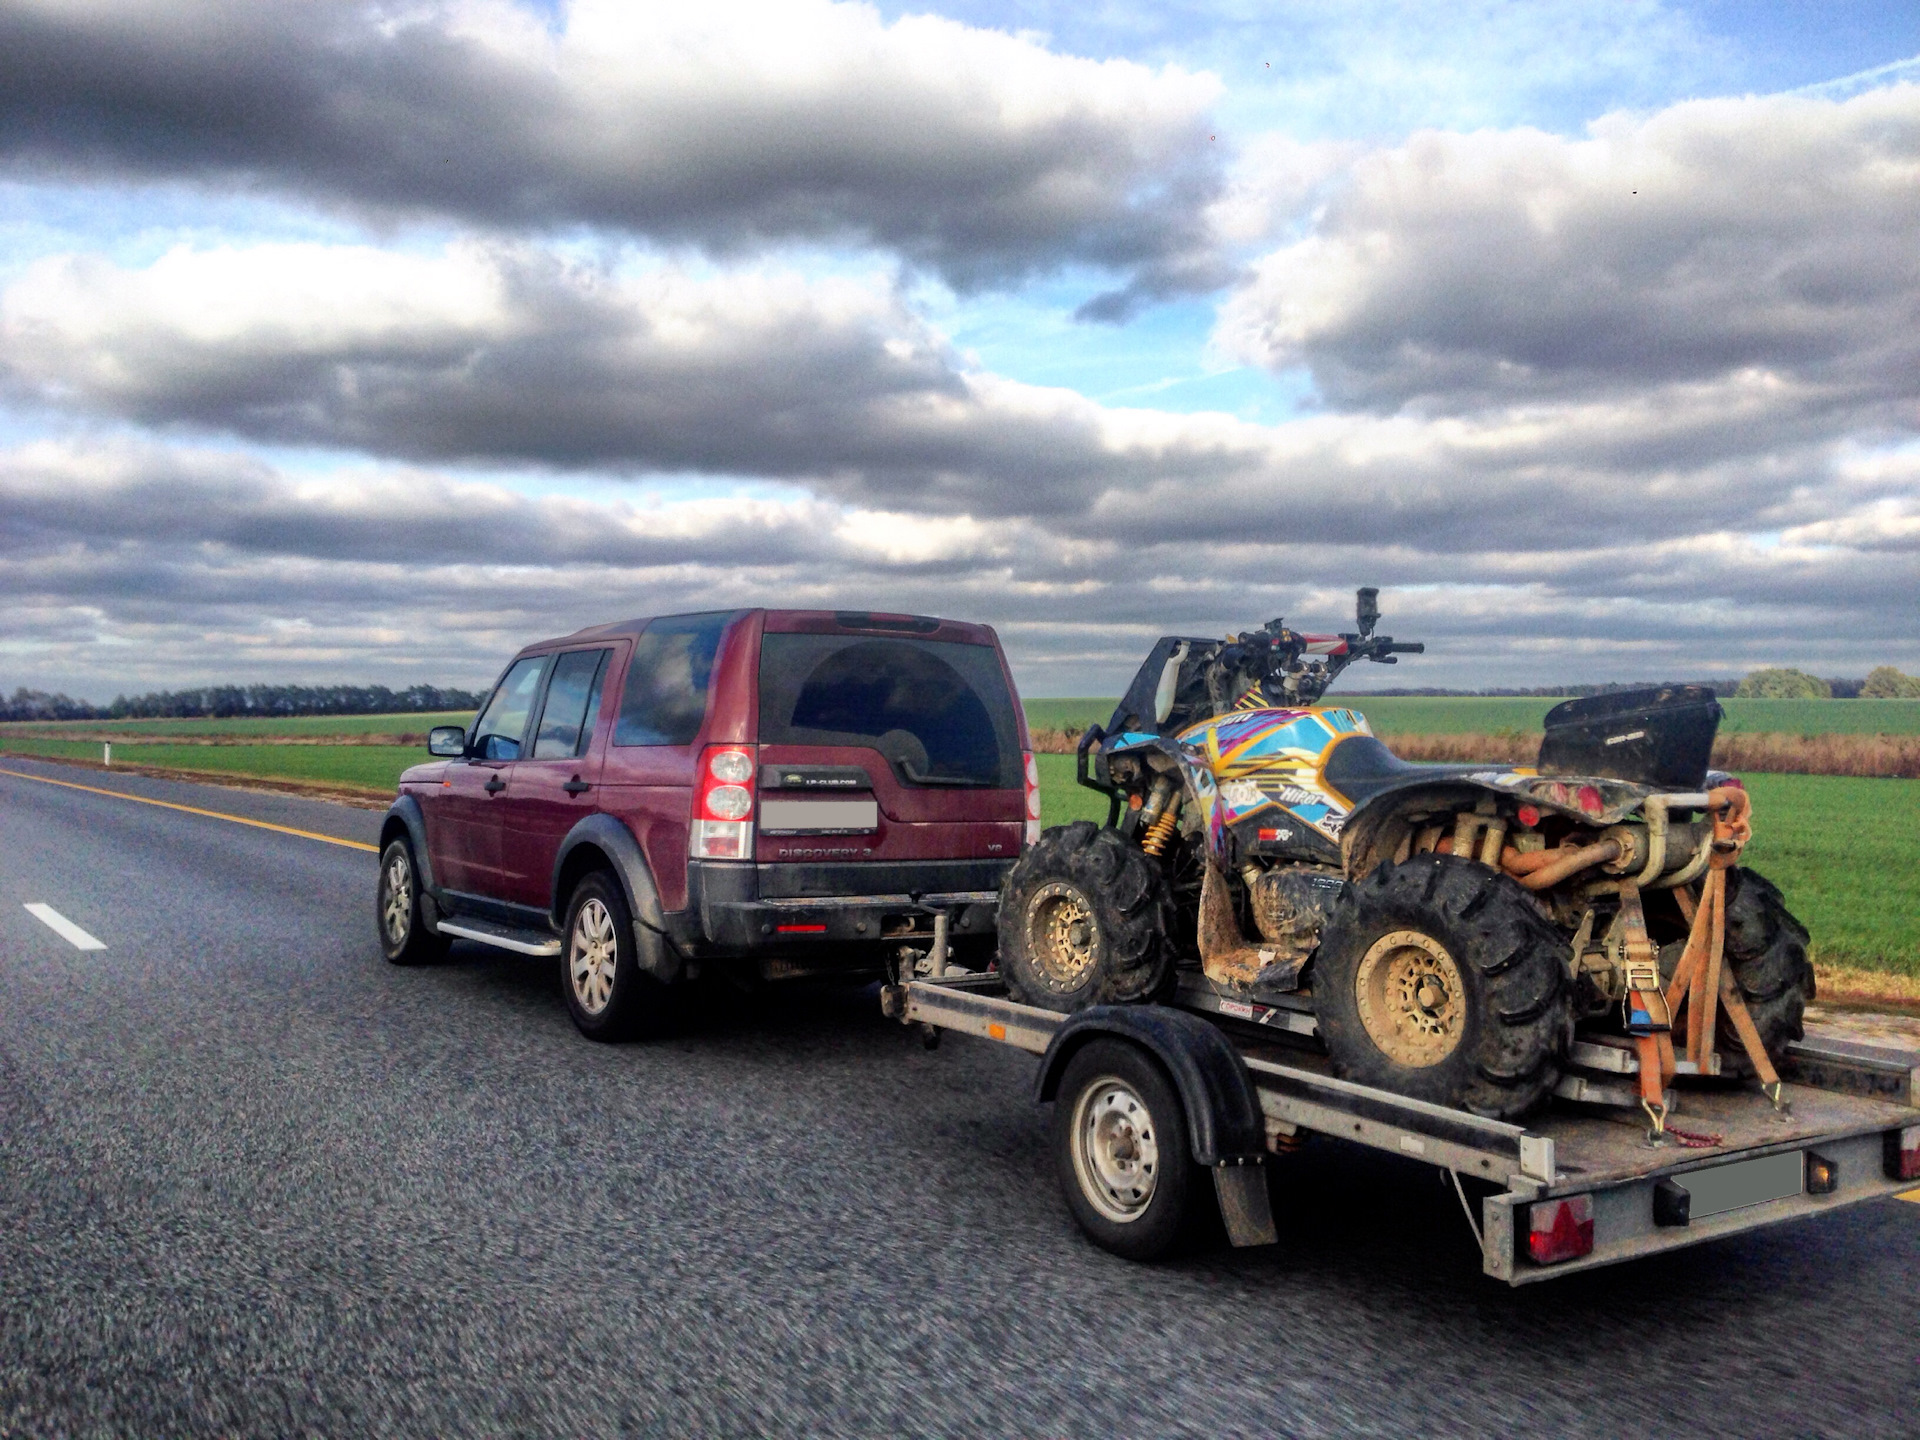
pixel 1247 761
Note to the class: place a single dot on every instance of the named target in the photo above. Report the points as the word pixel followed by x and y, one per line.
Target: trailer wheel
pixel 404 937
pixel 1767 949
pixel 1084 920
pixel 1121 1149
pixel 1439 979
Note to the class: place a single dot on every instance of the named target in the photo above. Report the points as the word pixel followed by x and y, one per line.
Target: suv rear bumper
pixel 735 908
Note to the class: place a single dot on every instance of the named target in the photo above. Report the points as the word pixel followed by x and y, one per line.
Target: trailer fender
pixel 1227 1131
pixel 1223 1114
pixel 602 842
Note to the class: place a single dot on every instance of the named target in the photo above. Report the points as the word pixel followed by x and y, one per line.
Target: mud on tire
pixel 1438 978
pixel 1767 949
pixel 1084 920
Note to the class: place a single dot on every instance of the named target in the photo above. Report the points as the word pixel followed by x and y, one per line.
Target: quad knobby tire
pixel 1122 1152
pixel 1767 950
pixel 609 996
pixel 1438 978
pixel 1084 920
pixel 398 910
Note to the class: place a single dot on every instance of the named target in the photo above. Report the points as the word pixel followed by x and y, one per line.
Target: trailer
pixel 1152 1100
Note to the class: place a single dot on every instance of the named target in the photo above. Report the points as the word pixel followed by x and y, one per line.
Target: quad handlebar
pixel 1295 669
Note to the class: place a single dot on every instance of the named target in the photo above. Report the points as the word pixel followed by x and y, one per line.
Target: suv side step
pixel 502 937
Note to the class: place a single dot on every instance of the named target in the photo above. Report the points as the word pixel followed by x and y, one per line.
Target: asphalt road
pixel 255 1181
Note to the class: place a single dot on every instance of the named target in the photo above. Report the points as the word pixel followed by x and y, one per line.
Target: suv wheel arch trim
pixel 615 843
pixel 405 815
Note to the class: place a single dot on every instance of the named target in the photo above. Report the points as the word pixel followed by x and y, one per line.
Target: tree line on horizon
pixel 1773 683
pixel 224 702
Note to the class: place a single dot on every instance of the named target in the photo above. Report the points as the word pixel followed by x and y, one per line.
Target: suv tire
pixel 1440 979
pixel 398 911
pixel 1084 920
pixel 609 996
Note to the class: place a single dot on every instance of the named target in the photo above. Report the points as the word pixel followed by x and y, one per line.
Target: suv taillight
pixel 1560 1229
pixel 723 804
pixel 1033 797
pixel 1903 1153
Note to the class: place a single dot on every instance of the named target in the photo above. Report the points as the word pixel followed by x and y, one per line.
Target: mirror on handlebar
pixel 1366 609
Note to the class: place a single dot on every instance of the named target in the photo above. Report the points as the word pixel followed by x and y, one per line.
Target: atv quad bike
pixel 1452 925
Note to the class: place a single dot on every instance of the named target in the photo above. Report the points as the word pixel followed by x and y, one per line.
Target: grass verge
pixel 372 768
pixel 1841 849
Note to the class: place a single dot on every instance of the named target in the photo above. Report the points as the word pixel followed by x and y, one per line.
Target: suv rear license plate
pixel 819 817
pixel 1744 1183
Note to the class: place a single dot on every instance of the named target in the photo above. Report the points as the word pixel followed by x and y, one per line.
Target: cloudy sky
pixel 368 341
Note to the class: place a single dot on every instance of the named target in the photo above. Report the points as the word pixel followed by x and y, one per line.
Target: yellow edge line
pixel 194 810
pixel 1913 1195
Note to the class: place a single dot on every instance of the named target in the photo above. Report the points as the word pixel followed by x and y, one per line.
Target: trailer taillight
pixel 1560 1229
pixel 723 804
pixel 1903 1153
pixel 1033 797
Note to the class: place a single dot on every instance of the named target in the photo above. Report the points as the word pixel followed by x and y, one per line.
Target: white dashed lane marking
pixel 65 928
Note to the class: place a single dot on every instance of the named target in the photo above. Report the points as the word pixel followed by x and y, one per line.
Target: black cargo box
pixel 1661 736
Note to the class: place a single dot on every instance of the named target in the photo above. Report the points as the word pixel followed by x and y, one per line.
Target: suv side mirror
pixel 447 741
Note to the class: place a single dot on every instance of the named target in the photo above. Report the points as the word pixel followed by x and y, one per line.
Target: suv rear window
pixel 938 711
pixel 665 697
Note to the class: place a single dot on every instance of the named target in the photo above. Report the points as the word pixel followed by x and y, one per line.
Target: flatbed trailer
pixel 1578 1187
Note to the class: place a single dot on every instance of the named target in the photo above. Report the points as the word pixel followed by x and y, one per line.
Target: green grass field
pixel 1490 715
pixel 1390 714
pixel 418 723
pixel 1844 850
pixel 374 767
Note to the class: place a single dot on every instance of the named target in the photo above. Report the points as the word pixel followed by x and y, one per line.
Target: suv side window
pixel 665 697
pixel 573 704
pixel 503 725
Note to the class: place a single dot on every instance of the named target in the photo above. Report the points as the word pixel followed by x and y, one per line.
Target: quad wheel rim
pixel 1413 1002
pixel 592 952
pixel 1116 1151
pixel 1062 936
pixel 397 913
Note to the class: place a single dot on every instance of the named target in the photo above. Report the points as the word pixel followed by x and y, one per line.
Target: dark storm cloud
pixel 978 154
pixel 133 564
pixel 1774 235
pixel 509 355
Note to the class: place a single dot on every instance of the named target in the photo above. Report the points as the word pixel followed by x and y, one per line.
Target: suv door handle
pixel 577 786
pixel 496 785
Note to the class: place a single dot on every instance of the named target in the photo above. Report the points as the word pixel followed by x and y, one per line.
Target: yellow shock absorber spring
pixel 1161 830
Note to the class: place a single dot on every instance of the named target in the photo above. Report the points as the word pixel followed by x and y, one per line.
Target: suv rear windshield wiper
pixel 916 778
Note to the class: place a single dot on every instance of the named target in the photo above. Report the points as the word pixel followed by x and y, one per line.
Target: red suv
pixel 783 792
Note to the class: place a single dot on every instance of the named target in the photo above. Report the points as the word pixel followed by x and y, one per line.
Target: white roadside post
pixel 106 753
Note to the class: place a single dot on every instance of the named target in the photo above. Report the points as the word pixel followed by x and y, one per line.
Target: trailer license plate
pixel 1744 1183
pixel 819 817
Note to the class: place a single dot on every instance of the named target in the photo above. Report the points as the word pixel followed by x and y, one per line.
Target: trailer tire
pixel 1084 920
pixel 1122 1151
pixel 1767 949
pixel 1439 978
